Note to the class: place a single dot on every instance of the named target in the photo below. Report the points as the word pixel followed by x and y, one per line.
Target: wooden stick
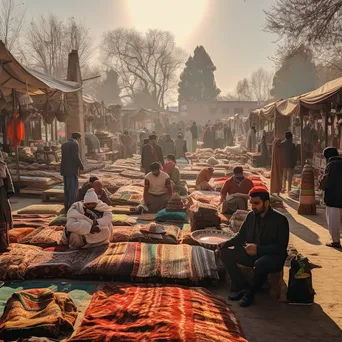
pixel 302 159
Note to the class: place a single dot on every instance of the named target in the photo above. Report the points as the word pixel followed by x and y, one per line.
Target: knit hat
pixel 258 189
pixel 91 196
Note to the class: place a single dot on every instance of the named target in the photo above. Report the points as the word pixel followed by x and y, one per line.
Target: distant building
pixel 213 110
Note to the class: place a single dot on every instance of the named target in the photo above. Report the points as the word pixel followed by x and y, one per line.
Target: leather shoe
pixel 247 299
pixel 238 296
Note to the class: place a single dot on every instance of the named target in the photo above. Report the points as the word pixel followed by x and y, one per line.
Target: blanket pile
pixel 37 312
pixel 158 313
pixel 13 264
pixel 203 215
pixel 128 195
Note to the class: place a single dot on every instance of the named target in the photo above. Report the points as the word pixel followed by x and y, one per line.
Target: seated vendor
pixel 173 171
pixel 203 179
pixel 89 223
pixel 261 244
pixel 158 188
pixel 101 192
pixel 234 194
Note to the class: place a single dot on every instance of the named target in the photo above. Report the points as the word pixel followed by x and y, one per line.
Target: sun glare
pixel 181 17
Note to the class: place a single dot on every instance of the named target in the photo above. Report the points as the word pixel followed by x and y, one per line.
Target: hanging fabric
pixel 15 130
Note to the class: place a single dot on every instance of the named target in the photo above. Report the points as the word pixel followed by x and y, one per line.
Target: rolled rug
pixel 307 201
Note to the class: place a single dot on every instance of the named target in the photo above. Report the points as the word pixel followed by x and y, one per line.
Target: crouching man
pixel 89 223
pixel 261 243
pixel 158 189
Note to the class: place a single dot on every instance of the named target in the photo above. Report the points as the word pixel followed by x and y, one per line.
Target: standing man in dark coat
pixel 288 160
pixel 261 243
pixel 331 183
pixel 70 167
pixel 151 152
pixel 6 191
pixel 194 132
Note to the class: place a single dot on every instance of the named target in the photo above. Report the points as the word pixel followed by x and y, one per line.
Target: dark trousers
pixel 70 191
pixel 264 265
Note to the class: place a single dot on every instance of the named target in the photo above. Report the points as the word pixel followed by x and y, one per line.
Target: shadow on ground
pixel 270 321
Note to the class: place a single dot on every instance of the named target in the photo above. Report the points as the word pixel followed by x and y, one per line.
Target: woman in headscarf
pixel 276 168
pixel 6 191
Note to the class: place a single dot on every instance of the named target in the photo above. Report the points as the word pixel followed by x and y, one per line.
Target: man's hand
pixel 142 169
pixel 221 245
pixel 94 229
pixel 251 248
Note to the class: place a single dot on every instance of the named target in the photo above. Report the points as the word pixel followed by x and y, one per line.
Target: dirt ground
pixel 271 321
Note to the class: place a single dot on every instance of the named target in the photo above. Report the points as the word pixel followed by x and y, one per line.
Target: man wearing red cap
pixel 261 243
pixel 237 188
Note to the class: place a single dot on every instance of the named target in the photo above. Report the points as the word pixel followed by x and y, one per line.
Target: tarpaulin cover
pixel 14 76
pixel 316 99
pixel 323 93
pixel 289 107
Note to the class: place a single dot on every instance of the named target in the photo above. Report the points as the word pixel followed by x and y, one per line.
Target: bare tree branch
pixel 12 16
pixel 147 63
pixel 49 41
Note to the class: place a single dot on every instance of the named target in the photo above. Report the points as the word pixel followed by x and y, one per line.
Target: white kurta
pixel 79 226
pixel 188 139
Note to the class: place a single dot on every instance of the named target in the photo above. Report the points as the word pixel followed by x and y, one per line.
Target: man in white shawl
pixel 188 138
pixel 89 223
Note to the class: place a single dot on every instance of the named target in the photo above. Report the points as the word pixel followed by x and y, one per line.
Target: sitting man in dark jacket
pixel 261 243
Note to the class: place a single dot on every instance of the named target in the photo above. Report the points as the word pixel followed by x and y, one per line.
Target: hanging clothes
pixel 15 130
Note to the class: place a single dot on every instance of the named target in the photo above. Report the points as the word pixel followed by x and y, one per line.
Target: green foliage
pixel 296 75
pixel 198 80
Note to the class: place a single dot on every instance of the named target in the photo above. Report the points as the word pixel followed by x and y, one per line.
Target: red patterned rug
pixel 158 313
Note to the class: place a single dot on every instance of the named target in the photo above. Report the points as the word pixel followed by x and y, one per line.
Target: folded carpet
pixel 158 313
pixel 37 312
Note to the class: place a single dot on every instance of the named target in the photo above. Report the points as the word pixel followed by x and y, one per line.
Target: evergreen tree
pixel 297 74
pixel 109 91
pixel 198 80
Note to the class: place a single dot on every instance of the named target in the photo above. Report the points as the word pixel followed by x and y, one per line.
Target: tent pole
pixel 56 130
pixel 301 141
pixel 326 129
pixel 14 95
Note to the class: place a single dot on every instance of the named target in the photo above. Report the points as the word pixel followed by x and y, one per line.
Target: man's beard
pixel 258 213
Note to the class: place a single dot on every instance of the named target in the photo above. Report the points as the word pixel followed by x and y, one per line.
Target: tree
pixel 146 63
pixel 307 21
pixel 257 87
pixel 243 90
pixel 11 23
pixel 197 81
pixel 109 90
pixel 49 41
pixel 296 74
pixel 261 84
pixel 143 100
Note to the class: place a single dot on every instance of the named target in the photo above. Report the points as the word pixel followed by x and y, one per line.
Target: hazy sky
pixel 230 30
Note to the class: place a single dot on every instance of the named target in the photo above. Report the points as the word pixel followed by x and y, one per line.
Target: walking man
pixel 289 160
pixel 331 183
pixel 151 152
pixel 194 132
pixel 71 165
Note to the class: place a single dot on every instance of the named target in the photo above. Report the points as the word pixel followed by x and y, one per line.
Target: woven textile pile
pixel 175 203
pixel 203 215
pixel 158 313
pixel 238 219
